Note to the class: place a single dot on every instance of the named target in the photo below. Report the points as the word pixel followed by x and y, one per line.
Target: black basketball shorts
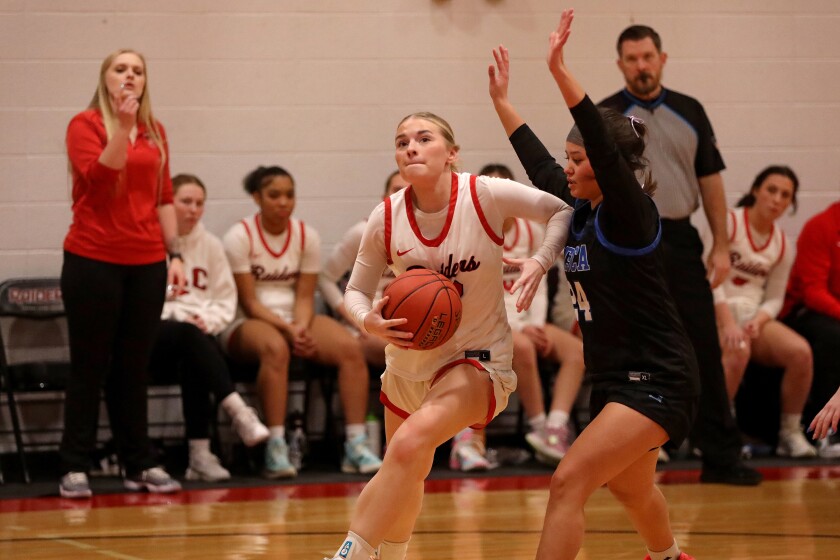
pixel 674 414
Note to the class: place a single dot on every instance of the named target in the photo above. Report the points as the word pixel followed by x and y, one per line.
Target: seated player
pixel 275 261
pixel 186 349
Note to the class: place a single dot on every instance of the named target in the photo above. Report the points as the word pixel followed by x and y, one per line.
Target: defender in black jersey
pixel 645 379
pixel 687 164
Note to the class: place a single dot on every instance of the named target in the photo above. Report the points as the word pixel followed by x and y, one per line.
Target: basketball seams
pixel 448 292
pixel 433 295
pixel 406 296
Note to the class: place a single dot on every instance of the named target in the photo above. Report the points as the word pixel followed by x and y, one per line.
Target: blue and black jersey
pixel 614 264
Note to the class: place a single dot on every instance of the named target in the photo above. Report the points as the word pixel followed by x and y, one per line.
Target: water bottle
pixel 374 434
pixel 297 442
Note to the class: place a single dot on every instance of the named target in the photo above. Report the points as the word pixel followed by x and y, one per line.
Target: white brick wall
pixel 319 85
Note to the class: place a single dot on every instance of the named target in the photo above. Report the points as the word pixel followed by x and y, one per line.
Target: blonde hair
pixel 442 125
pixel 102 101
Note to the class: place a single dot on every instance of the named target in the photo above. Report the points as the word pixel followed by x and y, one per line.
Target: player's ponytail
pixel 629 134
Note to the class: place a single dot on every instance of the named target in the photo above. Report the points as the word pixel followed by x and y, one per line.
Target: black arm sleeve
pixel 627 217
pixel 542 169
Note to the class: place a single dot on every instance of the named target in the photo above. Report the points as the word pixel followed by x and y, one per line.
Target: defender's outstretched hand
pixel 499 75
pixel 557 40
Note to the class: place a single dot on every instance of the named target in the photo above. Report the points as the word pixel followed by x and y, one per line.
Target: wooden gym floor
pixel 793 515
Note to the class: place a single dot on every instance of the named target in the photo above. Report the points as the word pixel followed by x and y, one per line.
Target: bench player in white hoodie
pixel 186 350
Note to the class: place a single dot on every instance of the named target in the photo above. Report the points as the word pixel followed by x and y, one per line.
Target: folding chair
pixel 33 349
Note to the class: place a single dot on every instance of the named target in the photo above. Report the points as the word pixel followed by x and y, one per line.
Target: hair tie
pixel 634 120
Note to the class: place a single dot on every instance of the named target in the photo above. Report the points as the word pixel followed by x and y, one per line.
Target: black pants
pixel 714 431
pixel 113 313
pixel 823 334
pixel 183 354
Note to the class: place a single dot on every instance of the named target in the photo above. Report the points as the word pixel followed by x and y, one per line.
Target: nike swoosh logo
pixel 401 253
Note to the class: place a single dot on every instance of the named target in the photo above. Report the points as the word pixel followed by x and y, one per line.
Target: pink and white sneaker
pixel 550 444
pixel 468 453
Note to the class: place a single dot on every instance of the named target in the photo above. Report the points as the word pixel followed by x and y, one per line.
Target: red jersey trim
pixel 386 402
pixel 409 209
pixel 507 247
pixel 491 402
pixel 250 238
pixel 265 244
pixel 302 237
pixel 734 221
pixel 528 230
pixel 388 257
pixel 749 234
pixel 782 252
pixel 530 236
pixel 481 217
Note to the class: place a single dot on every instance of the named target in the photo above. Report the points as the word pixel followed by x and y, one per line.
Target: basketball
pixel 430 302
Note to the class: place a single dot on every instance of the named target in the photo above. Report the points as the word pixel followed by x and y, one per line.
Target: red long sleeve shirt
pixel 815 277
pixel 115 216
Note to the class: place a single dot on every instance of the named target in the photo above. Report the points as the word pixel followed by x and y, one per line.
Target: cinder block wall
pixel 319 86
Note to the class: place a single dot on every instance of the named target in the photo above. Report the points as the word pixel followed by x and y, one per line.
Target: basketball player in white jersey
pixel 341 262
pixel 450 223
pixel 748 301
pixel 275 261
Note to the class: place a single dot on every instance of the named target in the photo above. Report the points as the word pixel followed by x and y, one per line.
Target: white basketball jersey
pixel 277 261
pixel 522 241
pixel 468 252
pixel 751 265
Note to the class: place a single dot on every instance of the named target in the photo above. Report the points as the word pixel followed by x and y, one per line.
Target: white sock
pixel 557 419
pixel 277 431
pixel 791 423
pixel 199 446
pixel 672 553
pixel 537 422
pixel 393 550
pixel 355 548
pixel 233 403
pixel 354 430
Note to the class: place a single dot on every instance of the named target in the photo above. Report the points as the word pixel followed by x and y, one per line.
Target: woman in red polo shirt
pixel 115 272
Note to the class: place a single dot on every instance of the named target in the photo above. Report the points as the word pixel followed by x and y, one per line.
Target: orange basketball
pixel 430 302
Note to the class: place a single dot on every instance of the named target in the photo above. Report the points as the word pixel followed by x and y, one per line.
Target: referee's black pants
pixel 113 313
pixel 714 431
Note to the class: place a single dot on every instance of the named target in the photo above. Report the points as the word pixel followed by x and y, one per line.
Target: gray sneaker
pixel 154 480
pixel 74 485
pixel 206 466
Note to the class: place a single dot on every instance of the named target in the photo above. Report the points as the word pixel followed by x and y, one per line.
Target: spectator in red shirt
pixel 812 306
pixel 115 272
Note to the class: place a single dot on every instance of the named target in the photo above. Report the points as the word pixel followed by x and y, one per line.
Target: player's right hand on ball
pixel 377 325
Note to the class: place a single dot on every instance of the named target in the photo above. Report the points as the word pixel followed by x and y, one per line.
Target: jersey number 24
pixel 580 302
